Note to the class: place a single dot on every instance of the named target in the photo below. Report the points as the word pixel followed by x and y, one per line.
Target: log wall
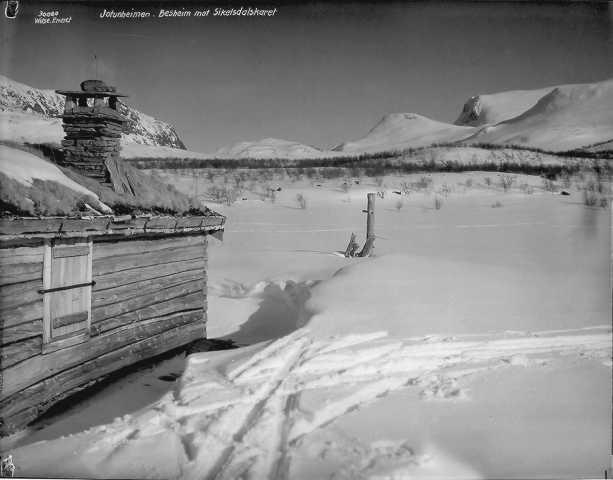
pixel 149 297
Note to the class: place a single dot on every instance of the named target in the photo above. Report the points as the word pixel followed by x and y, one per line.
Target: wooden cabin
pixel 83 295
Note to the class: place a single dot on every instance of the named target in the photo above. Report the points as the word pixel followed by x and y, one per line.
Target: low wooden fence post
pixel 370 227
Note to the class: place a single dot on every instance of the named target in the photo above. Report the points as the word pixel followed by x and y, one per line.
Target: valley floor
pixel 475 343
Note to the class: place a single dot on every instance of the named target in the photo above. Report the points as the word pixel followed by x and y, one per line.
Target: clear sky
pixel 315 73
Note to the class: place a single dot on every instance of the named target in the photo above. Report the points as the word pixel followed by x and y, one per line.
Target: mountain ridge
pixel 17 97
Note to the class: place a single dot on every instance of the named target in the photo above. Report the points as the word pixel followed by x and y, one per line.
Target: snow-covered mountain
pixel 559 118
pixel 398 131
pixel 566 118
pixel 497 107
pixel 270 148
pixel 22 107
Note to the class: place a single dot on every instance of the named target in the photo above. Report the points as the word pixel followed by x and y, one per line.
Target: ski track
pixel 246 421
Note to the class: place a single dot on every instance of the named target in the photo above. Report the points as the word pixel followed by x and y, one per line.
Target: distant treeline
pixel 406 160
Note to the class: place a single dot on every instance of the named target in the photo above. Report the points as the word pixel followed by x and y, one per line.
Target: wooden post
pixel 370 216
pixel 370 227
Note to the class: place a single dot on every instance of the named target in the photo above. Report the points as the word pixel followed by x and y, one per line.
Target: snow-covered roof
pixel 33 186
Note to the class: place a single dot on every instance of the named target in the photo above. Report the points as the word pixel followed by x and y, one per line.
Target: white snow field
pixel 476 343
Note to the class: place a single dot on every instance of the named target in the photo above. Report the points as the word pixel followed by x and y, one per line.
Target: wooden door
pixel 67 292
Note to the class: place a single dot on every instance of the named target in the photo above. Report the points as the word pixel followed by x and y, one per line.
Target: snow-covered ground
pixel 476 343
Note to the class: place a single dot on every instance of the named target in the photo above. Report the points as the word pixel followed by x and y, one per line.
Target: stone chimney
pixel 93 128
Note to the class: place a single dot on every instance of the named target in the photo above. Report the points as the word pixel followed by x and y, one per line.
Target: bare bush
pixel 423 183
pixel 595 192
pixel 506 182
pixel 301 201
pixel 565 180
pixel 378 181
pixel 405 187
pixel 549 185
pixel 223 194
pixel 445 190
pixel 468 183
pixel 590 198
pixel 399 204
pixel 488 181
pixel 526 188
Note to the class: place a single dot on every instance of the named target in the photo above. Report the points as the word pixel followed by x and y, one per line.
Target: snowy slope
pixel 28 127
pixel 139 150
pixel 270 148
pixel 569 117
pixel 406 130
pixel 26 167
pixel 44 105
pixel 497 107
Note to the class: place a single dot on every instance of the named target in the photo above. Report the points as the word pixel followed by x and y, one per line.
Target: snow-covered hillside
pixel 271 148
pixel 553 118
pixel 568 117
pixel 398 131
pixel 497 107
pixel 39 109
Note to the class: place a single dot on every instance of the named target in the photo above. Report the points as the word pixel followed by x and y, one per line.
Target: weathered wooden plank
pixel 98 225
pixel 25 405
pixel 16 352
pixel 18 255
pixel 145 287
pixel 161 223
pixel 21 332
pixel 141 301
pixel 70 319
pixel 191 301
pixel 9 226
pixel 75 251
pixel 65 342
pixel 119 224
pixel 17 315
pixel 115 279
pixel 19 293
pixel 94 224
pixel 136 247
pixel 18 273
pixel 127 262
pixel 189 222
pixel 35 369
